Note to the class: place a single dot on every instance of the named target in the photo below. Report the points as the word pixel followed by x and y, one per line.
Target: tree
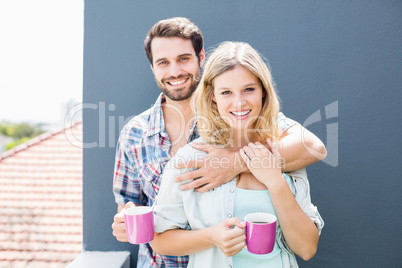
pixel 20 132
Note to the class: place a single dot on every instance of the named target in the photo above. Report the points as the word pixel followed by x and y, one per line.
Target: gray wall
pixel 338 69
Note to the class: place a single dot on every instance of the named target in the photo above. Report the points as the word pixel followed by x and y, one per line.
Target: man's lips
pixel 177 81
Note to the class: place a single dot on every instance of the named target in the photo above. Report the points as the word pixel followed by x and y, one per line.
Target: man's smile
pixel 177 82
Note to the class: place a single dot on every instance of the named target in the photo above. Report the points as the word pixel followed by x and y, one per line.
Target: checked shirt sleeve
pixel 127 185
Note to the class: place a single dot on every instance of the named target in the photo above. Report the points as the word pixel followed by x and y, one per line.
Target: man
pixel 174 48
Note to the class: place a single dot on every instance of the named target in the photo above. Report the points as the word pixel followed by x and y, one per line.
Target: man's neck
pixel 177 111
pixel 178 118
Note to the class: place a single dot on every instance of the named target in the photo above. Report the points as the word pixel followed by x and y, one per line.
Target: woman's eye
pixel 249 89
pixel 225 92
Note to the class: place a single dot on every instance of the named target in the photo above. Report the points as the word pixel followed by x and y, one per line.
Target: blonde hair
pixel 212 128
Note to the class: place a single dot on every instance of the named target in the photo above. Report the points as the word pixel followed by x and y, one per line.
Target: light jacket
pixel 176 209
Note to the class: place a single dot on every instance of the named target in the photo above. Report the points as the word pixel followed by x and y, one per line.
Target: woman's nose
pixel 240 102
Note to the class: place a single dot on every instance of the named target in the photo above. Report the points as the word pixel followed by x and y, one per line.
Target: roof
pixel 41 200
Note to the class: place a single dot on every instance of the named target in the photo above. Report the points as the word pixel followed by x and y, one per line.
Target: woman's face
pixel 238 94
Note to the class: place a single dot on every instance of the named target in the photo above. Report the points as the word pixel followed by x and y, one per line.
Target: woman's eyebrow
pixel 244 86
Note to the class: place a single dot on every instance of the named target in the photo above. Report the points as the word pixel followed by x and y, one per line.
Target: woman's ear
pixel 213 97
pixel 210 88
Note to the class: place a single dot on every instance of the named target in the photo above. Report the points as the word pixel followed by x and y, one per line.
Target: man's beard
pixel 180 94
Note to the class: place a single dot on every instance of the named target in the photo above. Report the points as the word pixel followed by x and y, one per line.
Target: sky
pixel 41 58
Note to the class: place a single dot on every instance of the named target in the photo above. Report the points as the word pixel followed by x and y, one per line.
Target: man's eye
pixel 183 58
pixel 163 62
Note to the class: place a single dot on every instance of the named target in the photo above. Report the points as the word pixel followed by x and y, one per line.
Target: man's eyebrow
pixel 181 55
pixel 185 54
pixel 161 59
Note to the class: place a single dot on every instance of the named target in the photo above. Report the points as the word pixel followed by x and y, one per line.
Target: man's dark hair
pixel 175 27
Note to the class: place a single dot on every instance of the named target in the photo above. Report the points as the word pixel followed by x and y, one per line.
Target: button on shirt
pixel 142 152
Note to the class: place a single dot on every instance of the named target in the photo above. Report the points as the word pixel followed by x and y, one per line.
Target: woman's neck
pixel 242 137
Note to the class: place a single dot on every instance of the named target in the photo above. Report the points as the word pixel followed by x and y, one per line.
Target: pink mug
pixel 260 232
pixel 139 222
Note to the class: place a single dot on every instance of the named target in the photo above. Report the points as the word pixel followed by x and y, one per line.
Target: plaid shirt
pixel 143 151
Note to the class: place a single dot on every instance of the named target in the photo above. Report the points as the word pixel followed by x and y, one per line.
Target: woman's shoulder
pixel 189 151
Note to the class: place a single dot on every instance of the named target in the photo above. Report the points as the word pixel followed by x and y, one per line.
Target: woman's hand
pixel 229 240
pixel 264 163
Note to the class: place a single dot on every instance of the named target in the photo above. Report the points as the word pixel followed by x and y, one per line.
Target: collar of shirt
pixel 156 123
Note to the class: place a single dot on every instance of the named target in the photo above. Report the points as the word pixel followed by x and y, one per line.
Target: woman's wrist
pixel 238 164
pixel 210 236
pixel 275 182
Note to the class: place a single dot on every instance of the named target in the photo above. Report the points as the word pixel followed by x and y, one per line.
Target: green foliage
pixel 25 130
pixel 15 143
pixel 20 132
pixel 3 129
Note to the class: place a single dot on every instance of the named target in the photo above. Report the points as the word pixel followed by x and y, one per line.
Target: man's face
pixel 176 67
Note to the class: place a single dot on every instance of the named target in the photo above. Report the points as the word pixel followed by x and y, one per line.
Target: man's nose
pixel 175 70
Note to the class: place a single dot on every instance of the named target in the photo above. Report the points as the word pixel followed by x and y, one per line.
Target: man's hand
pixel 215 169
pixel 229 240
pixel 118 226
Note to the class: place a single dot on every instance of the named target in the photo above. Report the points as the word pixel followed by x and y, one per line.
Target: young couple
pixel 238 116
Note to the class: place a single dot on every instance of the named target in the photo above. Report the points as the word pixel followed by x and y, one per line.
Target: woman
pixel 237 108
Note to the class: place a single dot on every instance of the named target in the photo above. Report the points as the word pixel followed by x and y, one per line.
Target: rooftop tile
pixel 41 201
